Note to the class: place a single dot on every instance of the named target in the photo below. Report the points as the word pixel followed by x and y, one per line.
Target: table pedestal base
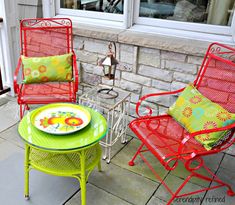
pixel 75 163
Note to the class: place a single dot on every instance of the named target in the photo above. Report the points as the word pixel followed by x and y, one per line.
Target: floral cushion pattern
pixel 47 69
pixel 196 112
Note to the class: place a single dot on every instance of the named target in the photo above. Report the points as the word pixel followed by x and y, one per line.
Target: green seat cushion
pixel 195 112
pixel 47 69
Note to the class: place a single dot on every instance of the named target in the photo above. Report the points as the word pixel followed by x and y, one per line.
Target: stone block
pixel 155 52
pixel 161 85
pixel 126 54
pixel 181 67
pixel 127 57
pixel 195 60
pixel 183 77
pixel 177 85
pixel 136 78
pixel 126 48
pixel 156 73
pixel 96 46
pixel 135 58
pixel 130 86
pixel 125 67
pixel 148 58
pixel 91 79
pixel 168 55
pixel 78 42
pixel 164 100
pixel 98 70
pixel 106 81
pixel 87 67
pixel 143 109
pixel 86 57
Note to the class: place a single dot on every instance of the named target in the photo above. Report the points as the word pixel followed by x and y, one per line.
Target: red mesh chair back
pixel 216 78
pixel 46 37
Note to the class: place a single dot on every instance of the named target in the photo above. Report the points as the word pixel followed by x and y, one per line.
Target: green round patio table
pixel 73 155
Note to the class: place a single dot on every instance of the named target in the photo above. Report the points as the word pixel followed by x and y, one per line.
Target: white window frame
pixel 186 26
pixel 130 20
pixel 93 17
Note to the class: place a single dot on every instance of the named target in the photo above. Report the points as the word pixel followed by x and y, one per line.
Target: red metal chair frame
pixel 185 149
pixel 45 37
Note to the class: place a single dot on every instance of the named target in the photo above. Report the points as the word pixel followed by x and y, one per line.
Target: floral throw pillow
pixel 195 112
pixel 47 69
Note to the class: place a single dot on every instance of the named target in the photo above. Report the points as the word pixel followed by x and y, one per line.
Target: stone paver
pixel 181 172
pixel 12 135
pixel 117 147
pixel 231 150
pixel 219 196
pixel 174 183
pixel 228 162
pixel 123 157
pixel 10 113
pixel 124 184
pixel 117 184
pixel 97 196
pixel 8 149
pixel 213 161
pixel 3 100
pixel 44 189
pixel 156 201
pixel 1 140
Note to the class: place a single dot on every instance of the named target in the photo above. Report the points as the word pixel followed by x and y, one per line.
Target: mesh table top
pixel 89 135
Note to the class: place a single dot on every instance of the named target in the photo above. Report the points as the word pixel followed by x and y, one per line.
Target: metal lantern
pixel 109 64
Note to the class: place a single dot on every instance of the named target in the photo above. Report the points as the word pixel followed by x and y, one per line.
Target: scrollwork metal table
pixel 116 112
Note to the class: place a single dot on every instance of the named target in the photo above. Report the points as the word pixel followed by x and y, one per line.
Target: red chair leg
pixel 21 111
pixel 131 163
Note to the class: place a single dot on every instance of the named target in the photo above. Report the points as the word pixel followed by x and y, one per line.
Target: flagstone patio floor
pixel 117 184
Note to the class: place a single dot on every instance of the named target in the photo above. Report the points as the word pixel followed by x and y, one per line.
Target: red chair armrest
pixel 194 134
pixel 16 73
pixel 152 95
pixel 75 72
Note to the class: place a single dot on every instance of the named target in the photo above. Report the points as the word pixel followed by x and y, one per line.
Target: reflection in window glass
pixel 108 6
pixel 216 12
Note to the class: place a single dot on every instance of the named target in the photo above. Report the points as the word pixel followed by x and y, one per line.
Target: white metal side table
pixel 116 112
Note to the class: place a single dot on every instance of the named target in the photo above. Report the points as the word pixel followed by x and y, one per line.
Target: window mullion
pixel 128 13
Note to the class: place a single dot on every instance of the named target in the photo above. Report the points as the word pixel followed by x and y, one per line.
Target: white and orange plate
pixel 60 118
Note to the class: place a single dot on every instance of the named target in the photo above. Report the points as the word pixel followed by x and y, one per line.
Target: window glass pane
pixel 108 6
pixel 216 12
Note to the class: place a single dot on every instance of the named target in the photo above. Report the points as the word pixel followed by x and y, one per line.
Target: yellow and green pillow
pixel 47 69
pixel 195 112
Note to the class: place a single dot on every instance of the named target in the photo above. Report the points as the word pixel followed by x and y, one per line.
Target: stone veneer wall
pixel 141 70
pixel 148 63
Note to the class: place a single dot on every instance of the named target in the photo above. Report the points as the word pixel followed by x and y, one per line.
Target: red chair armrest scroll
pixel 194 134
pixel 75 72
pixel 152 95
pixel 16 86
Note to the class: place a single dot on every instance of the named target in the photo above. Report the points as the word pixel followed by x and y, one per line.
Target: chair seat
pixel 162 135
pixel 46 93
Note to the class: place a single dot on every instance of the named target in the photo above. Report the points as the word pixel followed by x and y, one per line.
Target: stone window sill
pixel 150 40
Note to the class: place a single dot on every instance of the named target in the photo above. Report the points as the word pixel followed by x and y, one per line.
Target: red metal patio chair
pixel 170 143
pixel 40 38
